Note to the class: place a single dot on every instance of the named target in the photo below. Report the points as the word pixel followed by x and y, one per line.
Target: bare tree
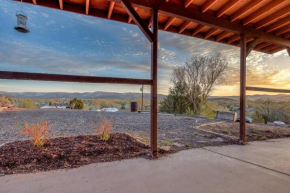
pixel 196 79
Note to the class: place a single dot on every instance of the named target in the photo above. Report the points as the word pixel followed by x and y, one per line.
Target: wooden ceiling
pixel 214 20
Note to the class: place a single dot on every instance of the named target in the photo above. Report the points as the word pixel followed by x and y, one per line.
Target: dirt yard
pixel 254 132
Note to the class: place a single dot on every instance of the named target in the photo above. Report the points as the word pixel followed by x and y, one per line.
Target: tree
pixel 123 105
pixel 76 104
pixel 193 82
pixel 258 117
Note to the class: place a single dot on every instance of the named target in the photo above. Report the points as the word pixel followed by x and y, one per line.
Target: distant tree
pixel 258 117
pixel 193 82
pixel 50 103
pixel 76 104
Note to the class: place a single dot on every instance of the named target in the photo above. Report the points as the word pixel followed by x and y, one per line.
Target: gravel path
pixel 173 130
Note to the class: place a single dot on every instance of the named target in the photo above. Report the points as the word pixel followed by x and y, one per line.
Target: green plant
pixel 39 132
pixel 76 104
pixel 104 129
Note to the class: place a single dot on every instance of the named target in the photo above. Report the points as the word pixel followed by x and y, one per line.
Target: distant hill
pixel 279 97
pixel 85 95
pixel 128 95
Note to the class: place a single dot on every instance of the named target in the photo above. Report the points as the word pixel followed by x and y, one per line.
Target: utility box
pixel 134 107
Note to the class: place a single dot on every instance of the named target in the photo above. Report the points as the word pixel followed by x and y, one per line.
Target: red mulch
pixel 67 152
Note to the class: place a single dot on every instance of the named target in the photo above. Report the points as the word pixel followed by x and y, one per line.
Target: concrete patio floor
pixel 210 170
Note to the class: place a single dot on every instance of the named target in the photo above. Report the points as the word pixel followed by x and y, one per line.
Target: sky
pixel 61 42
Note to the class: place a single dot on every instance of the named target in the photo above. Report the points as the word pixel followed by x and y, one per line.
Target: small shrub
pixel 104 129
pixel 39 132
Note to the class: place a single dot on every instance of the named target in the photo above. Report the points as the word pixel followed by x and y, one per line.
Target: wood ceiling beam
pixel 210 33
pixel 245 9
pixel 184 26
pixel 261 45
pixel 137 19
pixel 198 29
pixel 286 35
pixel 260 12
pixel 130 18
pixel 71 78
pixel 87 6
pixel 111 7
pixel 207 5
pixel 60 4
pixel 252 46
pixel 282 30
pixel 187 3
pixel 222 36
pixel 233 39
pixel 34 2
pixel 169 22
pixel 178 11
pixel 278 24
pixel 226 7
pixel 277 15
pixel 267 89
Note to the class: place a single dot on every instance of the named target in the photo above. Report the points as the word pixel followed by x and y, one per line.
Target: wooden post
pixel 243 89
pixel 142 102
pixel 154 105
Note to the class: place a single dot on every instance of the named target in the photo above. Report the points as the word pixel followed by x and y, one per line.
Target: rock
pixel 178 144
pixel 165 148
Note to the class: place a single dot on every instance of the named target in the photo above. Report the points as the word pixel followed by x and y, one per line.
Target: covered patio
pixel 260 25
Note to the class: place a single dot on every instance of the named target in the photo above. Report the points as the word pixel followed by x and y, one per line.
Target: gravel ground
pixel 174 131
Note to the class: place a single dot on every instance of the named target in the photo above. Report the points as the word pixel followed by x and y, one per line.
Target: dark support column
pixel 243 89
pixel 154 58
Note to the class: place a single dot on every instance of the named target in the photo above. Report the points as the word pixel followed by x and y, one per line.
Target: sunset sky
pixel 66 43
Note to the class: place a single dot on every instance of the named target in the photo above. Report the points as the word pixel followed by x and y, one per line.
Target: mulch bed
pixel 67 152
pixel 254 132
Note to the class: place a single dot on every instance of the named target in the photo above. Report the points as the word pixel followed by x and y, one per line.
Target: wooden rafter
pixel 130 18
pixel 226 7
pixel 198 29
pixel 286 35
pixel 60 4
pixel 252 45
pixel 244 10
pixel 169 22
pixel 187 3
pixel 273 17
pixel 222 36
pixel 111 7
pixel 278 24
pixel 233 39
pixel 282 30
pixel 87 6
pixel 207 5
pixel 210 33
pixel 34 2
pixel 261 45
pixel 137 19
pixel 184 26
pixel 260 12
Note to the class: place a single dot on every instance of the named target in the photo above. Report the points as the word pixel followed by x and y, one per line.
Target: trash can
pixel 134 107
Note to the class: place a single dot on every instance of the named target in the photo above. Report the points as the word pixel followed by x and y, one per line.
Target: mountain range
pixel 128 95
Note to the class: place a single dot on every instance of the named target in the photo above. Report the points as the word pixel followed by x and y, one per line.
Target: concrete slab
pixel 273 154
pixel 196 170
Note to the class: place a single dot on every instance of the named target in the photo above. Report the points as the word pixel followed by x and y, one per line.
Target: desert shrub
pixel 76 104
pixel 28 104
pixel 39 132
pixel 123 105
pixel 258 117
pixel 104 128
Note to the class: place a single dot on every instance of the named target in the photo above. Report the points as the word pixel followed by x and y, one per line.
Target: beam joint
pixel 137 19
